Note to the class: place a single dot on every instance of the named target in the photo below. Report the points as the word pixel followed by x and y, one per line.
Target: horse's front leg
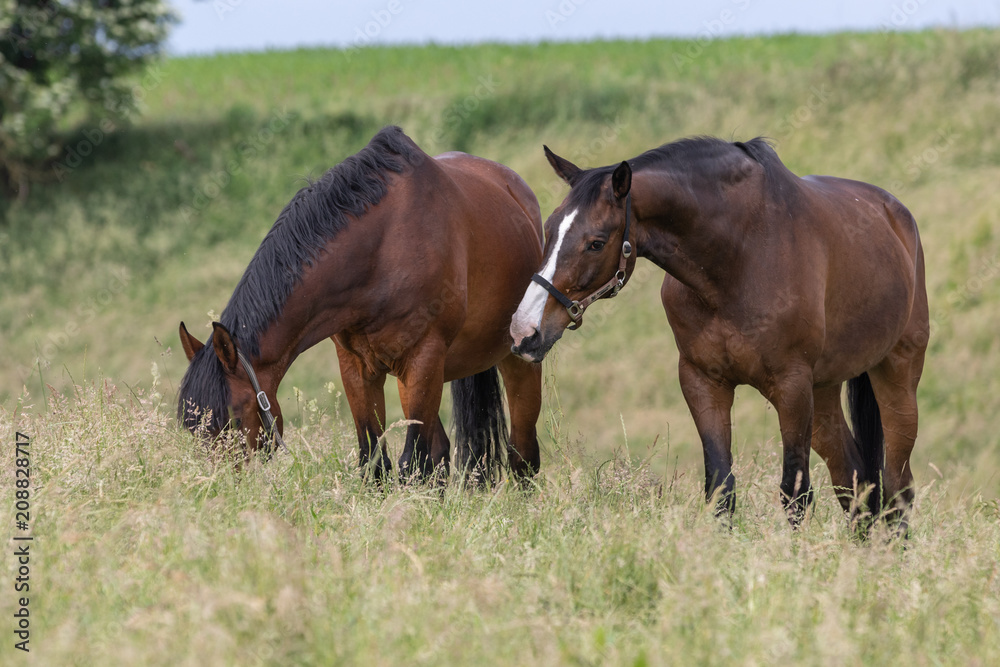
pixel 523 382
pixel 441 445
pixel 423 379
pixel 792 397
pixel 366 396
pixel 710 400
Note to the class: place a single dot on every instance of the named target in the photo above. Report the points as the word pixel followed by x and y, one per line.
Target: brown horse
pixel 791 285
pixel 394 255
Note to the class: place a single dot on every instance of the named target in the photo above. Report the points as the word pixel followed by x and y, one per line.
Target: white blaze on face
pixel 529 314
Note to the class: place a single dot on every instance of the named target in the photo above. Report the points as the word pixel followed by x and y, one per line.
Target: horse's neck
pixel 323 303
pixel 686 231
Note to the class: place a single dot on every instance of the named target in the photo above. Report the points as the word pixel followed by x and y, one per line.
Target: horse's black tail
pixel 867 423
pixel 480 426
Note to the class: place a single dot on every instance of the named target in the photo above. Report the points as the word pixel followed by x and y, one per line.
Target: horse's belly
pixel 839 342
pixel 476 350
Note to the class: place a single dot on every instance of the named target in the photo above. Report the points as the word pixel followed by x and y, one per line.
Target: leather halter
pixel 262 403
pixel 608 289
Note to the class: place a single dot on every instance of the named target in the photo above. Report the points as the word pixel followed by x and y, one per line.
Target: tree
pixel 60 56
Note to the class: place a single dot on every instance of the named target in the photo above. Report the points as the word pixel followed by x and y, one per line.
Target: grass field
pixel 148 551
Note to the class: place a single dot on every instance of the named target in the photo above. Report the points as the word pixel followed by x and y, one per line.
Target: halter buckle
pixel 575 315
pixel 262 401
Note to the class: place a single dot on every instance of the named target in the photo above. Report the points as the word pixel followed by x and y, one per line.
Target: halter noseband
pixel 262 403
pixel 608 289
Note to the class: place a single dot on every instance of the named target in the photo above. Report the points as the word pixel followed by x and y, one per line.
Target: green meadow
pixel 150 550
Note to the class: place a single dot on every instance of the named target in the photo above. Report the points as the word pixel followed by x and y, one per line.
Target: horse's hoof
pixel 376 472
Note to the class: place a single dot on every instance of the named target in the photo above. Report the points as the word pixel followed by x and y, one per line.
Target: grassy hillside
pixel 151 551
pixel 157 223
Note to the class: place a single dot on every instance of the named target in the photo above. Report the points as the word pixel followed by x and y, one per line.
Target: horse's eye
pixel 596 245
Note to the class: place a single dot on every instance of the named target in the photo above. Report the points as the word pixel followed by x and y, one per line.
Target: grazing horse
pixel 791 285
pixel 413 266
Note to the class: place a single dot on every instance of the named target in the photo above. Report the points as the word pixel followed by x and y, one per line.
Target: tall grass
pixel 148 550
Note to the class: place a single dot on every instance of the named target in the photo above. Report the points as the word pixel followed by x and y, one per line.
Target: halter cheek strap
pixel 263 404
pixel 609 289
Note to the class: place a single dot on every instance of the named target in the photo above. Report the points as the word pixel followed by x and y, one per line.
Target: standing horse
pixel 413 266
pixel 791 285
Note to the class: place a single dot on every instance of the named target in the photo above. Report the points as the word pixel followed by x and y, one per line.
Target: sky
pixel 209 26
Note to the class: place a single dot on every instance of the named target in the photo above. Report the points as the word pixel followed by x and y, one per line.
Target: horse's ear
pixel 621 180
pixel 190 344
pixel 225 347
pixel 566 169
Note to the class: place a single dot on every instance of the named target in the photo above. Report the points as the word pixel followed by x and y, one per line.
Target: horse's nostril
pixel 525 344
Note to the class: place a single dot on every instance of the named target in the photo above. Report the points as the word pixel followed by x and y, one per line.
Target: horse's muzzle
pixel 533 348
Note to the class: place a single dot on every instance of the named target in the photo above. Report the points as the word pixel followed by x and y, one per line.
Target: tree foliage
pixel 66 59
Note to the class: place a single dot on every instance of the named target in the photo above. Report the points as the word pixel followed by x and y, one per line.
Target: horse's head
pixel 217 392
pixel 587 255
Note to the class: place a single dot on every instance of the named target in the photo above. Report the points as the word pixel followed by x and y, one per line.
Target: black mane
pixel 715 153
pixel 316 214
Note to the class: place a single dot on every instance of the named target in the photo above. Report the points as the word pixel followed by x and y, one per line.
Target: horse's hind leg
pixel 710 402
pixel 366 397
pixel 833 441
pixel 894 381
pixel 523 382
